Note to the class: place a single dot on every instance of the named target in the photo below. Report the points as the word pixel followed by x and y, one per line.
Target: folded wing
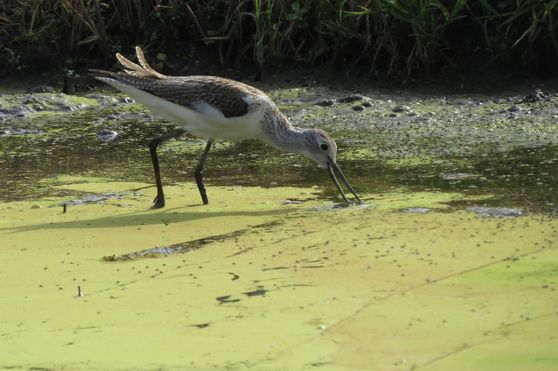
pixel 229 97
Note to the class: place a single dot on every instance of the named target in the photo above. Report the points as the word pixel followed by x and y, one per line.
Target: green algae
pixel 349 288
pixel 373 287
pixel 378 149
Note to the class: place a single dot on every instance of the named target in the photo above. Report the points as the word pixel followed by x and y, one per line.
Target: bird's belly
pixel 232 128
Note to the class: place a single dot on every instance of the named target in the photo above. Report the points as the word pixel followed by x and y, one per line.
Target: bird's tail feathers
pixel 143 69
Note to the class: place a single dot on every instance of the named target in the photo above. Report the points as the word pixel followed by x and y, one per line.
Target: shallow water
pixel 476 144
pixel 450 264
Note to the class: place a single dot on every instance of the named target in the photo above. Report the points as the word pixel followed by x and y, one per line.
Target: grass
pixel 396 38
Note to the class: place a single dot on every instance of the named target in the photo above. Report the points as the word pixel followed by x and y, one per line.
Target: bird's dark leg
pixel 199 175
pixel 159 200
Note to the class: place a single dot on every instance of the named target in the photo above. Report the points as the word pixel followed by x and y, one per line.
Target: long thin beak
pixel 333 170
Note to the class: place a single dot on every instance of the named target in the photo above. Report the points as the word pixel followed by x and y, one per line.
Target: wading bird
pixel 217 108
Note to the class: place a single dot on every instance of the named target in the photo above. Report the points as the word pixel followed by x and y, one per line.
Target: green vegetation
pixel 396 38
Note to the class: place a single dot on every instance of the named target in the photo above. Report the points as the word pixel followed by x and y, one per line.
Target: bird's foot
pixel 158 202
pixel 203 194
pixel 204 199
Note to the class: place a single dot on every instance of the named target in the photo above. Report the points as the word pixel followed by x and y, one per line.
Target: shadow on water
pixel 142 218
pixel 524 176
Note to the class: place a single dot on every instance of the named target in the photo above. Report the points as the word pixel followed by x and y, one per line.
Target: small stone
pixel 326 102
pixel 126 100
pixel 36 206
pixel 351 98
pixel 106 135
pixel 358 107
pixel 42 89
pixel 366 104
pixel 401 109
pixel 514 108
pixel 534 96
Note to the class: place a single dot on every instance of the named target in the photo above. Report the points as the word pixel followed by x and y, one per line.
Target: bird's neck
pixel 281 134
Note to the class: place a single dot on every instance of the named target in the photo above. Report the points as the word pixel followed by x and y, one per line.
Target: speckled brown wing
pixel 223 94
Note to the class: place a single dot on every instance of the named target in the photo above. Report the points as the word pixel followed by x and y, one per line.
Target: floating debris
pixel 225 299
pixel 292 202
pixel 106 135
pixel 257 292
pixel 201 325
pixel 459 176
pixel 90 199
pixel 416 210
pixel 496 212
pixel 234 276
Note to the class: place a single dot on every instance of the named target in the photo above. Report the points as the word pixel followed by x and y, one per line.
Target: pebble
pixel 106 135
pixel 326 102
pixel 42 89
pixel 127 100
pixel 534 96
pixel 514 108
pixel 358 107
pixel 401 109
pixel 351 98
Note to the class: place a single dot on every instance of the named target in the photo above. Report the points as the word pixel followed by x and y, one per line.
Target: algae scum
pixel 502 146
pixel 450 264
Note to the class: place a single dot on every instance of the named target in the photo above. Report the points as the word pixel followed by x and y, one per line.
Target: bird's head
pixel 320 147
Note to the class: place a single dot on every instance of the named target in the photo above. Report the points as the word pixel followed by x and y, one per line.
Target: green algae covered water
pixel 450 264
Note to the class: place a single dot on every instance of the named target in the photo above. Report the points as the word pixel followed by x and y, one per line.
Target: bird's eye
pixel 324 147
